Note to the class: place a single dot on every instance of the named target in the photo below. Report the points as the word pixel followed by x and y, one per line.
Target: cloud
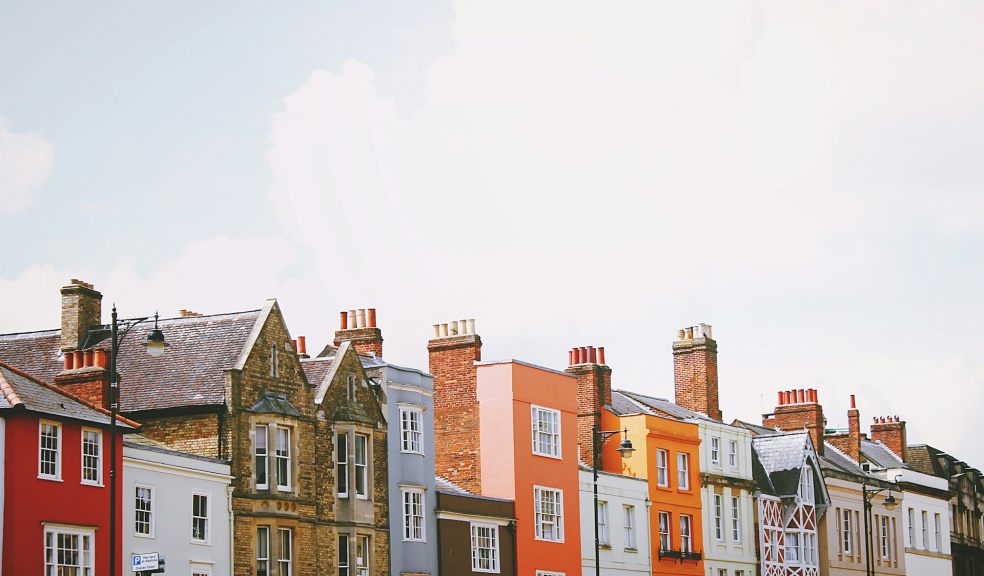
pixel 26 161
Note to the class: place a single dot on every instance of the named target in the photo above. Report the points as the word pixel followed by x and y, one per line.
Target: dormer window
pixel 806 486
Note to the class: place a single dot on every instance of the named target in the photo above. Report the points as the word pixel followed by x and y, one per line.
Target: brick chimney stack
pixel 359 327
pixel 81 308
pixel 452 353
pixel 849 443
pixel 594 391
pixel 891 431
pixel 798 410
pixel 695 375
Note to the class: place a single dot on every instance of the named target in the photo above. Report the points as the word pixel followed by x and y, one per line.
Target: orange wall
pixel 648 433
pixel 506 392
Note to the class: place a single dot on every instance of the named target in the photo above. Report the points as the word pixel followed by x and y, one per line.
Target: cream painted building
pixel 623 524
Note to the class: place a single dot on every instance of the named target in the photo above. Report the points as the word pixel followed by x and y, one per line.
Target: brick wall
pixel 594 390
pixel 456 412
pixel 366 341
pixel 800 415
pixel 195 434
pixel 81 307
pixel 891 431
pixel 695 376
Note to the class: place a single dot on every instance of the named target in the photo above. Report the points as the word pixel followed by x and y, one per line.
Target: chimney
pixel 695 377
pixel 452 353
pixel 183 313
pixel 359 327
pixel 849 443
pixel 594 391
pixel 891 431
pixel 81 308
pixel 86 375
pixel 301 347
pixel 799 410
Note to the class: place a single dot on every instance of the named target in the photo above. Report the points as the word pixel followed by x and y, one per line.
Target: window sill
pixel 605 546
pixel 50 478
pixel 411 453
pixel 561 541
pixel 144 536
pixel 93 484
pixel 632 550
pixel 551 456
pixel 201 542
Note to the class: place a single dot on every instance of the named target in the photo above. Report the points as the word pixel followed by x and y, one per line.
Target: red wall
pixel 29 501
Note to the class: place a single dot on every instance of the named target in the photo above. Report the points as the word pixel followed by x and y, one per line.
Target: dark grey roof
pixel 761 477
pixel 622 405
pixel 442 484
pixel 141 442
pixel 665 406
pixel 881 455
pixel 924 458
pixel 274 403
pixel 18 391
pixel 834 459
pixel 189 373
pixel 755 428
pixel 316 368
pixel 779 452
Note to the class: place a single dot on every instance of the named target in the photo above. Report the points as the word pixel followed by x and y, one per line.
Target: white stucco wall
pixel 925 558
pixel 618 491
pixel 174 478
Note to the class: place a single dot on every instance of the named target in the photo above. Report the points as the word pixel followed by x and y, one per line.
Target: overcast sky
pixel 806 177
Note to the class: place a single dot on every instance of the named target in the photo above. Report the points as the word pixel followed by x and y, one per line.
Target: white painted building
pixel 623 524
pixel 925 520
pixel 177 505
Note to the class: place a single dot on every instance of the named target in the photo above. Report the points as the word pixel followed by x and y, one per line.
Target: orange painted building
pixel 667 455
pixel 528 417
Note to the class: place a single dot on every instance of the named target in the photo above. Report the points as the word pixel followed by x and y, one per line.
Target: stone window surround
pixel 271 421
pixel 350 429
pixel 273 548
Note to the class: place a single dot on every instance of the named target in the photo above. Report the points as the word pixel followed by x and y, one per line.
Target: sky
pixel 805 177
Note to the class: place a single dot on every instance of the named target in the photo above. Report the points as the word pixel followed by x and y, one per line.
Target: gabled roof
pixel 664 406
pixel 926 459
pixel 20 391
pixel 881 455
pixel 755 428
pixel 623 405
pixel 782 458
pixel 274 403
pixel 189 373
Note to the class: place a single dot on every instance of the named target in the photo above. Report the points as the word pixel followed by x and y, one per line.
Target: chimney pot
pixel 293 344
pixel 471 325
pixel 88 357
pixel 601 355
pixel 463 327
pixel 592 356
pixel 302 342
pixel 100 358
pixel 802 396
pixel 343 320
pixel 570 357
pixel 79 359
pixel 584 355
pixel 437 331
pixel 352 322
pixel 690 333
pixel 371 317
pixel 454 327
pixel 681 334
pixel 853 403
pixel 69 361
pixel 782 397
pixel 361 318
pixel 444 329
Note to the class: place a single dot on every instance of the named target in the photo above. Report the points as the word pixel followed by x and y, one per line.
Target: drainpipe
pixel 232 557
pixel 649 529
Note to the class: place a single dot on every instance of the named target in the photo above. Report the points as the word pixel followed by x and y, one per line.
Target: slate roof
pixel 442 484
pixel 834 459
pixel 780 459
pixel 622 404
pixel 316 368
pixel 189 373
pixel 665 406
pixel 924 458
pixel 19 391
pixel 274 403
pixel 142 442
pixel 755 428
pixel 881 455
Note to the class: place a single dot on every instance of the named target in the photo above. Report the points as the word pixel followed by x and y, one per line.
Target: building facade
pixel 476 534
pixel 623 524
pixel 177 505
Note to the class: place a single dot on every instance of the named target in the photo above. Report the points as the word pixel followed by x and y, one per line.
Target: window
pixel 939 533
pixel 91 456
pixel 548 514
pixel 722 572
pixel 846 533
pixel 546 432
pixel 792 547
pixel 262 551
pixel 283 459
pixel 715 450
pixel 343 555
pixel 912 527
pixel 411 428
pixel 685 539
pixel 664 530
pixel 361 474
pixel 884 537
pixel 733 456
pixel 925 530
pixel 49 459
pixel 683 471
pixel 629 525
pixel 143 511
pixel 806 485
pixel 735 520
pixel 260 457
pixel 350 382
pixel 284 561
pixel 199 518
pixel 718 520
pixel 662 473
pixel 362 556
pixel 485 548
pixel 809 547
pixel 603 538
pixel 341 461
pixel 274 361
pixel 69 551
pixel 413 514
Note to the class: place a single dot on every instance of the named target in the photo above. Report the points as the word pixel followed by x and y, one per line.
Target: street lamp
pixel 625 449
pixel 155 347
pixel 890 503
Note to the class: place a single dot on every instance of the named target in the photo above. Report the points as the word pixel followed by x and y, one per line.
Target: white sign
pixel 144 562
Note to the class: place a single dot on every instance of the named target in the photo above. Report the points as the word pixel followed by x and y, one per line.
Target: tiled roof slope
pixel 189 373
pixel 623 404
pixel 881 455
pixel 925 459
pixel 316 368
pixel 442 484
pixel 24 392
pixel 665 406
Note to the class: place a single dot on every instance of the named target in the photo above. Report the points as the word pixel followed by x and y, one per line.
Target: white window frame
pixel 207 518
pixel 342 464
pixel 628 525
pixel 59 435
pixel 557 517
pixel 261 429
pixel 885 547
pixel 283 457
pixel 911 532
pixel 793 547
pixel 99 456
pixel 362 492
pixel 344 564
pixel 285 562
pixel 665 532
pixel 362 562
pixel 715 450
pixel 683 471
pixel 937 518
pixel 151 514
pixel 733 453
pixel 492 536
pixel 719 517
pixel 925 529
pixel 414 515
pixel 87 562
pixel 806 486
pixel 411 439
pixel 809 548
pixel 604 539
pixel 264 558
pixel 736 519
pixel 847 533
pixel 662 471
pixel 542 436
pixel 686 536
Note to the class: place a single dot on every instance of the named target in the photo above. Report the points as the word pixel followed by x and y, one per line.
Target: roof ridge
pixel 199 317
pixel 841 452
pixel 69 395
pixel 52 330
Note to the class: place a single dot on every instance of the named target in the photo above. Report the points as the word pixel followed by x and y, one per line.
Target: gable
pixel 333 392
